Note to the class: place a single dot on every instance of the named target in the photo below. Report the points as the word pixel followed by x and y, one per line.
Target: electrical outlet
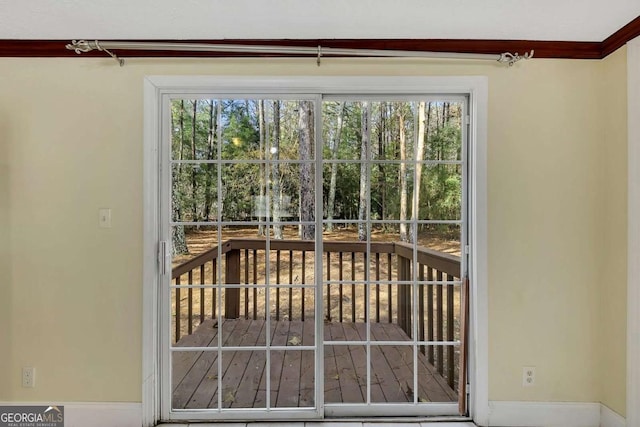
pixel 528 376
pixel 28 377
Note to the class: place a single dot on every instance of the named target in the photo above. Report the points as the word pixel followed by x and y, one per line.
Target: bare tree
pixel 275 172
pixel 211 154
pixel 334 143
pixel 178 239
pixel 415 205
pixel 262 181
pixel 403 177
pixel 194 184
pixel 364 176
pixel 307 199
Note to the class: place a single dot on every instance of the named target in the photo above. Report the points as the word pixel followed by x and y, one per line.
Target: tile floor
pixel 328 424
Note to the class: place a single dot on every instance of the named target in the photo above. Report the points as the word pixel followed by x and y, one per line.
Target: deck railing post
pixel 404 295
pixel 232 277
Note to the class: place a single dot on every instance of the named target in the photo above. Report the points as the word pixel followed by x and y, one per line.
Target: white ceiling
pixel 579 20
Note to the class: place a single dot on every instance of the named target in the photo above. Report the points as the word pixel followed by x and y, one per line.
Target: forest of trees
pixel 259 163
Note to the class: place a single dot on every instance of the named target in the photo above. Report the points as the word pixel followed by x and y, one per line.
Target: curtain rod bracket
pixel 512 58
pixel 84 46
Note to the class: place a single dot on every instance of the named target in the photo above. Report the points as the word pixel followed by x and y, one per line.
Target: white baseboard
pixel 95 414
pixel 544 414
pixel 501 414
pixel 610 418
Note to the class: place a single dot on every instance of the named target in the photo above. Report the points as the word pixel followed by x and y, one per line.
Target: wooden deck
pixel 195 374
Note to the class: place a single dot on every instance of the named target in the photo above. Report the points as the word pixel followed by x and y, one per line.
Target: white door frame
pixel 477 89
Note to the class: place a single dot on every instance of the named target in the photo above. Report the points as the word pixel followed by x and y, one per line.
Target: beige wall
pixel 70 140
pixel 613 283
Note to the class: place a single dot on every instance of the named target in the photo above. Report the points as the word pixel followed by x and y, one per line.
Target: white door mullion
pixel 319 266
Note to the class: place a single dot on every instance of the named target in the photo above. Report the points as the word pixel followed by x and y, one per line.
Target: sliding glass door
pixel 316 255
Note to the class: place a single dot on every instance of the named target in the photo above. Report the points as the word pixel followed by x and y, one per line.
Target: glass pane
pixel 345 370
pixel 392 192
pixel 194 194
pixel 443 238
pixel 342 130
pixel 440 192
pixel 392 130
pixel 443 130
pixel 194 379
pixel 190 317
pixel 195 129
pixel 290 129
pixel 294 304
pixel 391 315
pixel 292 378
pixel 190 241
pixel 242 379
pixel 438 373
pixel 241 191
pixel 241 131
pixel 438 312
pixel 247 329
pixel 392 374
pixel 292 319
pixel 291 192
pixel 344 178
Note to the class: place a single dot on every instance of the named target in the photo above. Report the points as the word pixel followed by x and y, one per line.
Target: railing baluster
pixel 404 295
pixel 178 309
pixel 291 283
pixel 450 334
pixel 278 285
pixel 440 331
pixel 255 282
pixel 190 306
pixel 302 281
pixel 202 294
pixel 214 280
pixel 430 353
pixel 353 287
pixel 421 306
pixel 329 286
pixel 246 283
pixel 377 287
pixel 389 288
pixel 340 285
pixel 232 277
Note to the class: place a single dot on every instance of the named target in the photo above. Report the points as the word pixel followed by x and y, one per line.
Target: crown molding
pixel 621 37
pixel 543 49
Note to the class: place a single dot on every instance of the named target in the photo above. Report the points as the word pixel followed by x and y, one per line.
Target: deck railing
pixel 291 263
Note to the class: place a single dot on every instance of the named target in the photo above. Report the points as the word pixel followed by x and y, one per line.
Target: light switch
pixel 105 218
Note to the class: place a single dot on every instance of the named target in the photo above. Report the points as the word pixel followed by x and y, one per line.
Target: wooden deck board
pixel 195 374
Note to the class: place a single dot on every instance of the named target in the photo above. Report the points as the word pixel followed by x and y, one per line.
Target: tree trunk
pixel 415 206
pixel 335 143
pixel 194 184
pixel 307 199
pixel 403 178
pixel 178 238
pixel 262 202
pixel 275 171
pixel 364 176
pixel 381 156
pixel 208 191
